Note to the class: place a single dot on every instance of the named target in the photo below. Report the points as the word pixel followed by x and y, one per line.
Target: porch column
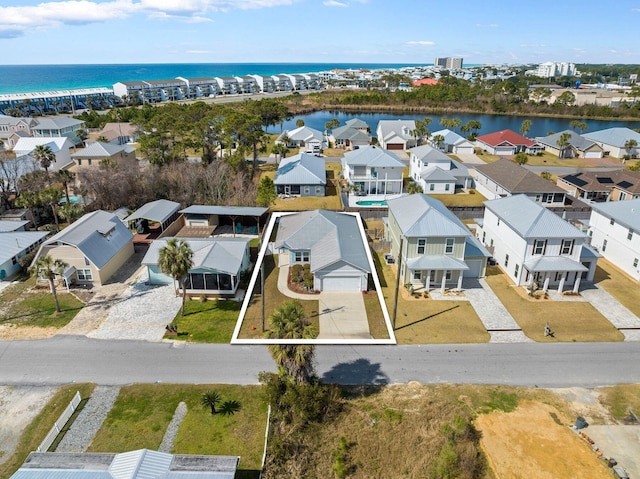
pixel 428 283
pixel 460 280
pixel 576 285
pixel 546 282
pixel 561 285
pixel 444 281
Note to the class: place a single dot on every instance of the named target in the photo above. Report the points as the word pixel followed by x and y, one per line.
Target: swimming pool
pixel 75 200
pixel 371 203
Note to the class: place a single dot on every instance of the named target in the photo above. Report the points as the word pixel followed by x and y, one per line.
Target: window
pixel 422 246
pixel 506 260
pixel 484 236
pixel 86 261
pixel 302 256
pixel 307 190
pixel 446 187
pixel 89 161
pixel 447 275
pixel 84 275
pixel 417 275
pixel 432 187
pixel 79 162
pixel 318 190
pixel 516 271
pixel 635 262
pixel 448 245
pixel 567 247
pixel 630 234
pixel 604 245
pixel 538 246
pixel 14 260
pixel 559 276
pixel 611 222
pixel 538 197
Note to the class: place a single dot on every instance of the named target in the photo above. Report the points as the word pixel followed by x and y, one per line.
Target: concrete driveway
pixel 619 442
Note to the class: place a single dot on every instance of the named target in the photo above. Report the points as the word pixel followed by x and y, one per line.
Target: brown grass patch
pixel 618 285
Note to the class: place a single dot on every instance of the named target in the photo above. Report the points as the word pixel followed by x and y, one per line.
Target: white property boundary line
pixel 254 277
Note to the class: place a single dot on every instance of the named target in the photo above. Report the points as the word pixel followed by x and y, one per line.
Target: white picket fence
pixel 59 424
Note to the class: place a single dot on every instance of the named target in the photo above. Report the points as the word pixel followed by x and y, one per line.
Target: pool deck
pixel 353 199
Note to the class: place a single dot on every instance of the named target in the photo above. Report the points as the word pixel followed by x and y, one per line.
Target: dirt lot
pixel 528 442
pixel 19 405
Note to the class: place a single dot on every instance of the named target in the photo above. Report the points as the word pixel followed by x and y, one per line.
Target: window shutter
pixel 544 248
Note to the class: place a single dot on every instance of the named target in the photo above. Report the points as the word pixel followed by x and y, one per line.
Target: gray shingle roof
pixel 580 143
pixel 626 213
pixel 99 235
pixel 349 133
pixel 357 123
pixel 372 156
pixel 420 215
pixel 530 219
pixel 614 136
pixel 515 178
pixel 224 210
pixel 301 169
pixel 329 236
pixel 159 210
pixel 220 254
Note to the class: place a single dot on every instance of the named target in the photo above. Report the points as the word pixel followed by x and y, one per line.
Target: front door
pixel 287 189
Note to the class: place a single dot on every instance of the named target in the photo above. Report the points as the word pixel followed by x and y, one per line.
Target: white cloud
pixel 635 9
pixel 197 52
pixel 487 25
pixel 334 3
pixel 422 43
pixel 17 20
pixel 532 45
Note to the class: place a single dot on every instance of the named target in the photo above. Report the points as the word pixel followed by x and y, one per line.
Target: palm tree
pixel 331 124
pixel 629 145
pixel 51 196
pixel 437 140
pixel 69 212
pixel 29 199
pixel 65 177
pixel 578 125
pixel 48 268
pixel 563 143
pixel 44 155
pixel 176 259
pixel 211 399
pixel 299 122
pixel 82 135
pixel 525 127
pixel 289 321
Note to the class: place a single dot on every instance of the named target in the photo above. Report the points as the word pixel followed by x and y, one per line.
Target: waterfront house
pixel 601 186
pixel 201 87
pixel 301 175
pixel 451 142
pixel 282 82
pixel 298 81
pixel 218 265
pixel 613 140
pixel 266 84
pixel 507 143
pixel 331 243
pixel 94 247
pixel 577 146
pixel 435 172
pixel 614 228
pixel 505 178
pixel 352 135
pixel 228 85
pixel 247 84
pixel 309 140
pixel 95 153
pixel 370 170
pixel 437 248
pixel 533 244
pixel 396 134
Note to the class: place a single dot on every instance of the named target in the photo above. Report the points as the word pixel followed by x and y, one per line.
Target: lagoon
pixel 541 126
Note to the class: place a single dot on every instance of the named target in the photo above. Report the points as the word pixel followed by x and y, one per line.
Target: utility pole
pixel 262 290
pixel 395 300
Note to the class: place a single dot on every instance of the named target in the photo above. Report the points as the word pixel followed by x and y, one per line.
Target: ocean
pixel 38 78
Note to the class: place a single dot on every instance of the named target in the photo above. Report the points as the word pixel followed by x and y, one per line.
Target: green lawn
pixel 618 285
pixel 142 412
pixel 569 320
pixel 252 322
pixel 209 321
pixel 425 321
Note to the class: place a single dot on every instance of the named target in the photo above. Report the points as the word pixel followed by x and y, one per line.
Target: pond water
pixel 541 126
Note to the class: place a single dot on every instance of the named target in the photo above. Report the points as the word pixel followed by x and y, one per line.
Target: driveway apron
pixel 623 319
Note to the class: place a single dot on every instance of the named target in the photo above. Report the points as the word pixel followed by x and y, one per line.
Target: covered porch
pixel 437 270
pixel 549 271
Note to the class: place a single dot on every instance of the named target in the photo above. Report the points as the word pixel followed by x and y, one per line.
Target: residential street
pixel 66 359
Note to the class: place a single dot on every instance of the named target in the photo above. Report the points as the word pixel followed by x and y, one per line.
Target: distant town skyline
pixel 317 31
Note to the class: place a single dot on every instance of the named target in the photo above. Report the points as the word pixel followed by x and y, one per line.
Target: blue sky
pixel 358 31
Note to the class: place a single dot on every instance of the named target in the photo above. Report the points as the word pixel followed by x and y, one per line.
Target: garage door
pixel 395 146
pixel 475 268
pixel 463 150
pixel 341 283
pixel 593 154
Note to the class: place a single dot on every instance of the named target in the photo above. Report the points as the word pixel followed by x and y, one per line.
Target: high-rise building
pixel 552 69
pixel 448 62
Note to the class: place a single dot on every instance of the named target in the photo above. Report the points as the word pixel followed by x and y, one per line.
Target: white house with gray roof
pixel 309 140
pixel 435 172
pixel 431 245
pixel 349 137
pixel 218 264
pixel 331 243
pixel 95 153
pixel 372 170
pixel 451 142
pixel 301 175
pixel 614 228
pixel 578 146
pixel 59 126
pixel 15 243
pixel 94 248
pixel 396 134
pixel 533 244
pixel 612 141
pixel 60 146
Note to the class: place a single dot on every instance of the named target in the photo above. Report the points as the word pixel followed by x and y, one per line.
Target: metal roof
pixel 99 150
pixel 626 213
pixel 56 123
pixel 8 225
pixel 159 210
pixel 303 133
pixel 420 215
pixel 530 219
pixel 387 129
pixel 347 132
pixel 357 123
pixel 433 173
pixel 224 210
pixel 99 235
pixel 428 154
pixel 474 248
pixel 220 254
pixel 372 156
pixel 450 137
pixel 545 264
pixel 13 243
pixel 439 262
pixel 328 235
pixel 614 136
pixel 301 169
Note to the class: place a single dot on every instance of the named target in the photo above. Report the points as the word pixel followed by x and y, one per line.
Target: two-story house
pixel 431 245
pixel 373 171
pixel 614 228
pixel 435 172
pixel 533 244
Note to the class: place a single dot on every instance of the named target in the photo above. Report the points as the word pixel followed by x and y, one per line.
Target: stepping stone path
pixel 172 428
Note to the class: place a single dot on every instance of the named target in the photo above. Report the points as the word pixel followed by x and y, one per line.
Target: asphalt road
pixel 68 359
